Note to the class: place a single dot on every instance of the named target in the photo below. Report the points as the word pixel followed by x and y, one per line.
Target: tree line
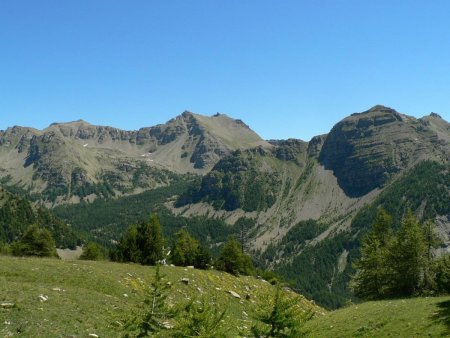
pixel 144 243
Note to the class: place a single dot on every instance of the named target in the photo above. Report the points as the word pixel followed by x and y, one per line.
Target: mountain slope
pixel 69 161
pixel 321 269
pixel 328 179
pixel 309 232
pixel 365 150
pixel 16 214
pixel 276 188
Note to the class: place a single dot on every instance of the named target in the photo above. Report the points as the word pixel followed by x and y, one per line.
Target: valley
pixel 299 208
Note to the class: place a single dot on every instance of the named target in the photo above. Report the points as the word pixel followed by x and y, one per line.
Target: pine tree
pixel 281 319
pixel 203 258
pixel 127 249
pixel 141 244
pixel 370 280
pixel 431 242
pixel 185 249
pixel 35 242
pixel 408 257
pixel 398 265
pixel 441 268
pixel 154 321
pixel 200 319
pixel 188 251
pixel 233 260
pixel 382 227
pixel 91 252
pixel 150 241
pixel 373 275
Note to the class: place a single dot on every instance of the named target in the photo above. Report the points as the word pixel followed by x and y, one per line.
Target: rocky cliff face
pixel 328 179
pixel 365 150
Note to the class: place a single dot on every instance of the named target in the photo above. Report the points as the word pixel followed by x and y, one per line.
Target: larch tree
pixel 151 241
pixel 372 279
pixel 408 257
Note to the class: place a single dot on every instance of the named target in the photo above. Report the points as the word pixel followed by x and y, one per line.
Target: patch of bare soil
pixel 68 254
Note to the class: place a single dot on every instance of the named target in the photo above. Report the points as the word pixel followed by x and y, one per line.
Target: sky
pixel 289 69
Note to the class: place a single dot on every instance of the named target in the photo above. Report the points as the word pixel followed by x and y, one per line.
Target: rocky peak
pixel 365 149
pixel 17 136
pixel 315 145
pixel 436 115
pixel 187 113
pixel 377 115
pixel 70 123
pixel 380 108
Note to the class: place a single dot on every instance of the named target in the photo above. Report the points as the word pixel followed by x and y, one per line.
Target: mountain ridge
pixel 189 143
pixel 292 200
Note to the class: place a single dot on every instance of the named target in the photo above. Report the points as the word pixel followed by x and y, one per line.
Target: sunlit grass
pixel 87 297
pixel 414 317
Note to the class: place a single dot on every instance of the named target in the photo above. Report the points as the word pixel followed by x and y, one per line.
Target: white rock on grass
pixel 234 294
pixel 93 335
pixel 43 298
pixel 167 325
pixel 6 305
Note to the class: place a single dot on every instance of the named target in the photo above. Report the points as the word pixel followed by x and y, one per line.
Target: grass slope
pixel 414 317
pixel 86 297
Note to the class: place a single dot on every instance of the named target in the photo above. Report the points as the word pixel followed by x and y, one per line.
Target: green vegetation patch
pixel 236 182
pixel 16 214
pixel 105 221
pixel 425 187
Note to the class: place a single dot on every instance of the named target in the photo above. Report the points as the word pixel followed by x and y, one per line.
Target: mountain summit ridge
pixel 363 150
pixel 77 153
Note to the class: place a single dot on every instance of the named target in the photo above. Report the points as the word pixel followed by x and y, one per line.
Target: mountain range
pixel 70 160
pixel 303 206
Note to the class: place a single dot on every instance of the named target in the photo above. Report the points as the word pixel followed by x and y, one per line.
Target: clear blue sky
pixel 287 68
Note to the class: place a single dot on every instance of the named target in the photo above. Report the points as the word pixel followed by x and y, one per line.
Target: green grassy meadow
pixel 87 297
pixel 413 317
